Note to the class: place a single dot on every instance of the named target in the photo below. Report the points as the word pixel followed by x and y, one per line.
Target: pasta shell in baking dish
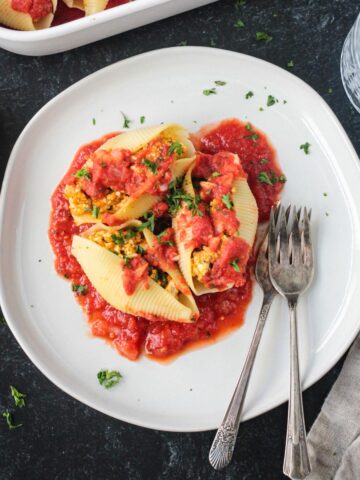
pixel 108 272
pixel 88 6
pixel 227 253
pixel 172 138
pixel 23 21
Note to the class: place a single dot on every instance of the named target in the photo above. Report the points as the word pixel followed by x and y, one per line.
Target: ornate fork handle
pixel 224 442
pixel 296 459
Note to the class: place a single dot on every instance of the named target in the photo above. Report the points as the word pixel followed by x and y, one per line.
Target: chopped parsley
pixel 142 119
pixel 176 195
pixel 95 211
pixel 325 194
pixel 306 147
pixel 127 121
pixel 175 147
pixel 118 239
pixel 264 160
pixel 140 250
pixel 271 100
pixel 161 234
pixel 261 109
pixel 83 172
pixel 216 174
pixel 263 177
pixel 79 289
pixel 239 24
pixel 239 3
pixel 152 166
pixel 131 233
pixel 127 260
pixel 249 127
pixel 149 222
pixel 235 265
pixel 168 243
pixel 8 417
pixel 209 91
pixel 109 379
pixel 227 201
pixel 183 43
pixel 249 94
pixel 253 137
pixel 94 121
pixel 291 64
pixel 330 90
pixel 220 83
pixel 19 398
pixel 263 36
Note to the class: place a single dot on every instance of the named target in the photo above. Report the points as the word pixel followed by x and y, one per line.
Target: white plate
pixel 166 85
pixel 94 27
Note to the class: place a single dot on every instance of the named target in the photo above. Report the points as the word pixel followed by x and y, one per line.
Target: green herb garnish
pixel 9 420
pixel 290 64
pixel 127 121
pixel 330 90
pixel 254 137
pixel 227 201
pixel 263 36
pixel 264 160
pixel 131 233
pixel 127 260
pixel 118 239
pixel 109 379
pixel 149 222
pixel 249 127
pixel 175 147
pixel 209 91
pixel 271 100
pixel 325 194
pixel 235 265
pixel 239 3
pixel 142 119
pixel 239 24
pixel 168 243
pixel 249 94
pixel 216 174
pixel 94 121
pixel 140 250
pixel 152 166
pixel 79 289
pixel 220 83
pixel 95 211
pixel 83 172
pixel 306 147
pixel 263 177
pixel 19 398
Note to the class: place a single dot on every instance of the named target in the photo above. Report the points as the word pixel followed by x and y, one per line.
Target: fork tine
pixel 283 237
pixel 306 239
pixel 272 243
pixel 295 238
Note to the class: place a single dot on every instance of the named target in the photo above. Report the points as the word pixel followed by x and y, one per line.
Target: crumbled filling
pixel 202 261
pixel 80 203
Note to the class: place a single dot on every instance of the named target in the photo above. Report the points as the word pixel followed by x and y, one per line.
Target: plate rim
pixel 29 351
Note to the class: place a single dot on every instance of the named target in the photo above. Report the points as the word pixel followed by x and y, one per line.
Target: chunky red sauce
pixel 219 313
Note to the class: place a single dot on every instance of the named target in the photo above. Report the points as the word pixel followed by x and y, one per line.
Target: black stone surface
pixel 62 439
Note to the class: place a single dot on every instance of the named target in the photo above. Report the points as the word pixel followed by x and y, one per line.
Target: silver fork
pixel 291 269
pixel 222 449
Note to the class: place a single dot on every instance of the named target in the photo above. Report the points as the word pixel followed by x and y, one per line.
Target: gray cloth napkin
pixel 334 439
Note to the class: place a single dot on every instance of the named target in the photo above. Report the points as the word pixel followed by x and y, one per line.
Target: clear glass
pixel 350 64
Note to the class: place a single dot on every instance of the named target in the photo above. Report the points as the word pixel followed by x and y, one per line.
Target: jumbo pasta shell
pixel 23 21
pixel 105 271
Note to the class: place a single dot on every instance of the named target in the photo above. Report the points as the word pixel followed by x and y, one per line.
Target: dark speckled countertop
pixel 61 439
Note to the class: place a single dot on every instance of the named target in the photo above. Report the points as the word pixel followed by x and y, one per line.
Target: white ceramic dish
pixel 94 27
pixel 192 392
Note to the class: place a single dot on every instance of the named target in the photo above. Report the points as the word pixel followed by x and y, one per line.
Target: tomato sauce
pixel 219 313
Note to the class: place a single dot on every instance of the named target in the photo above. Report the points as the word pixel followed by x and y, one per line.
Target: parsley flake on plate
pixel 94 121
pixel 271 100
pixel 239 24
pixel 95 211
pixel 175 147
pixel 290 64
pixel 209 91
pixel 227 201
pixel 19 398
pixel 109 379
pixel 127 121
pixel 306 147
pixel 142 119
pixel 220 83
pixel 249 94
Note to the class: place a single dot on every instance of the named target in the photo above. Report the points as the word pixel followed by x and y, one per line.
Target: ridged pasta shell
pixel 88 6
pixel 104 270
pixel 23 21
pixel 246 212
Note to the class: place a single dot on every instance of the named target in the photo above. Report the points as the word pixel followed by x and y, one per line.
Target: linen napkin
pixel 334 439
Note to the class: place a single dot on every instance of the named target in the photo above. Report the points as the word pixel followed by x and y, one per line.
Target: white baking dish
pixel 94 27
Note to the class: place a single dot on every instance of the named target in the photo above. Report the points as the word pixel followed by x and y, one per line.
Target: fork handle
pixel 222 449
pixel 296 458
